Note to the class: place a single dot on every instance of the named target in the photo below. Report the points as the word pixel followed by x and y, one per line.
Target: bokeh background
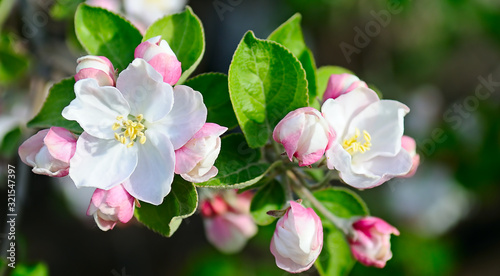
pixel 440 57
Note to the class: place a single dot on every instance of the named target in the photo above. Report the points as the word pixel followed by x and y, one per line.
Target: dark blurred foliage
pixel 440 57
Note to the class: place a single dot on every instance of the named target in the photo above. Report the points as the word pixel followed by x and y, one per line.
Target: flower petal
pixel 152 179
pixel 101 163
pixel 384 121
pixel 144 89
pixel 340 111
pixel 61 143
pixel 96 108
pixel 387 167
pixel 187 116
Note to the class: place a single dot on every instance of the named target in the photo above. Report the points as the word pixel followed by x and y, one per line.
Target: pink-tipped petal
pixel 61 143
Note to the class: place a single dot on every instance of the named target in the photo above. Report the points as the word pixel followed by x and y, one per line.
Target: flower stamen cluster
pixel 130 130
pixel 353 145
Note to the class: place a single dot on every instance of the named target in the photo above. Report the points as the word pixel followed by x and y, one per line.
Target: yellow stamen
pixel 353 145
pixel 130 130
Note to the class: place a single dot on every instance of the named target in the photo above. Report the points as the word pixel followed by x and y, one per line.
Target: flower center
pixel 353 145
pixel 130 130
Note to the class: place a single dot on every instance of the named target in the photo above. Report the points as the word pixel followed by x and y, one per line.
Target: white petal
pixel 339 112
pixel 384 121
pixel 388 167
pixel 96 108
pixel 153 176
pixel 341 160
pixel 101 163
pixel 144 89
pixel 187 116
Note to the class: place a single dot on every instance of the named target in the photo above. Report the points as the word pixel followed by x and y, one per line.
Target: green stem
pixel 325 181
pixel 5 8
pixel 303 192
pixel 288 188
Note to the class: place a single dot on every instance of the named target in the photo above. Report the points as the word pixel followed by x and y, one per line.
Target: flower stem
pixel 302 191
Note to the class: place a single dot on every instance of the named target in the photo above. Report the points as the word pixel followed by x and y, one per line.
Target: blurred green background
pixel 440 57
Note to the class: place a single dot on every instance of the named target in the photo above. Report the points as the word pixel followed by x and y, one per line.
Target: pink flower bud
pixel 227 220
pixel 298 239
pixel 410 146
pixel 49 151
pixel 370 242
pixel 158 54
pixel 305 134
pixel 195 160
pixel 109 207
pixel 96 67
pixel 339 84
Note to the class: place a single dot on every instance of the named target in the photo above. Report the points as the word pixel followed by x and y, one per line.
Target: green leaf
pixel 289 34
pixel 13 63
pixel 39 269
pixel 239 166
pixel 215 91
pixel 336 258
pixel 324 74
pixel 184 33
pixel 10 142
pixel 266 82
pixel 269 197
pixel 60 95
pixel 180 203
pixel 103 33
pixel 64 9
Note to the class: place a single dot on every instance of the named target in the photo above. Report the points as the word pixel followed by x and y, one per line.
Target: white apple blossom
pixel 132 130
pixel 367 149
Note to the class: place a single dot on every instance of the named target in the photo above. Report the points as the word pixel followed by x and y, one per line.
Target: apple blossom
pixel 227 220
pixel 132 130
pixel 298 239
pixel 195 160
pixel 370 241
pixel 109 207
pixel 367 149
pixel 339 84
pixel 305 134
pixel 96 67
pixel 157 52
pixel 409 145
pixel 49 151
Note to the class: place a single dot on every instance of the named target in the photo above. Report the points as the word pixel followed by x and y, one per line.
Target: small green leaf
pixel 266 82
pixel 239 166
pixel 64 9
pixel 324 74
pixel 269 197
pixel 215 91
pixel 39 269
pixel 60 96
pixel 103 33
pixel 13 63
pixel 180 203
pixel 185 36
pixel 10 142
pixel 336 258
pixel 289 34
